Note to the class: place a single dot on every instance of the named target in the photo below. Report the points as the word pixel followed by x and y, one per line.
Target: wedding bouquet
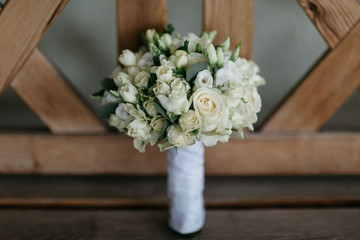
pixel 175 91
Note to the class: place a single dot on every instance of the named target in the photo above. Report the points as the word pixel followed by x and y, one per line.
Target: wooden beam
pixel 52 99
pixel 323 91
pixel 333 18
pixel 134 17
pixel 234 18
pixel 22 25
pixel 259 154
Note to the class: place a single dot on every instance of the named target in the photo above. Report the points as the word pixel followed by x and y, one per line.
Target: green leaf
pixel 156 60
pixel 99 94
pixel 115 93
pixel 170 29
pixel 108 84
pixel 152 80
pixel 194 70
pixel 106 110
pixel 198 48
pixel 179 72
pixel 163 131
pixel 161 110
pixel 185 46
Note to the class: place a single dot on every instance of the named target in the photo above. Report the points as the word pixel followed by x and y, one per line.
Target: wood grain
pixel 22 25
pixel 268 224
pixel 151 191
pixel 323 91
pixel 333 18
pixel 52 99
pixel 134 17
pixel 234 18
pixel 261 154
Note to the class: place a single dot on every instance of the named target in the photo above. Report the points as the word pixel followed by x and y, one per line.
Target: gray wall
pixel 82 44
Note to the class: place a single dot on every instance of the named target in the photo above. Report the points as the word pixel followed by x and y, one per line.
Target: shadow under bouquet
pixel 182 93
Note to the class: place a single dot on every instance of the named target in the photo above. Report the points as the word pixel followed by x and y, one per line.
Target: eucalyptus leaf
pixel 161 110
pixel 194 70
pixel 106 110
pixel 163 131
pixel 99 94
pixel 108 84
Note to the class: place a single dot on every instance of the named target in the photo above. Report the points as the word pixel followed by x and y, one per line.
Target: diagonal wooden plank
pixel 52 99
pixel 333 18
pixel 134 17
pixel 22 25
pixel 234 18
pixel 110 154
pixel 323 91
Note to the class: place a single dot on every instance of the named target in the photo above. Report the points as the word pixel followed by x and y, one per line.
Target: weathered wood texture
pixel 22 25
pixel 145 192
pixel 323 91
pixel 234 18
pixel 134 17
pixel 257 154
pixel 333 18
pixel 52 99
pixel 152 224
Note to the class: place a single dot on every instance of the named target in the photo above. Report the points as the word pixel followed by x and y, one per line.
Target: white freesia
pixel 204 79
pixel 177 136
pixel 121 79
pixel 108 98
pixel 150 35
pixel 180 85
pixel 211 54
pixel 176 102
pixel 229 73
pixel 135 111
pixel 119 123
pixel 161 88
pixel 157 123
pixel 181 61
pixel 139 129
pixel 150 107
pixel 141 79
pixel 122 113
pixel 190 121
pixel 128 93
pixel 166 38
pixel 164 73
pixel 146 61
pixel 194 40
pixel 208 103
pixel 195 58
pixel 133 71
pixel 127 58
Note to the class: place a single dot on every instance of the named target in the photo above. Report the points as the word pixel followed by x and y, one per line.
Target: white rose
pixel 122 113
pixel 229 73
pixel 139 129
pixel 164 73
pixel 177 136
pixel 195 58
pixel 127 58
pixel 141 79
pixel 176 102
pixel 189 121
pixel 161 88
pixel 133 71
pixel 128 93
pixel 108 98
pixel 208 104
pixel 157 123
pixel 146 61
pixel 121 79
pixel 150 107
pixel 204 79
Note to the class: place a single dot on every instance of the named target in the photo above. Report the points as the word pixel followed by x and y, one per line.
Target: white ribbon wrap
pixel 185 188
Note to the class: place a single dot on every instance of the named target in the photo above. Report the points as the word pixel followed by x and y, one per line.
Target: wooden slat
pixel 333 18
pixel 52 99
pixel 234 18
pixel 134 17
pixel 22 25
pixel 323 91
pixel 308 224
pixel 145 191
pixel 326 153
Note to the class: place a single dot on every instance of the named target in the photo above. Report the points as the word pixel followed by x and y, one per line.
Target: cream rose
pixel 139 129
pixel 189 121
pixel 204 79
pixel 128 93
pixel 208 104
pixel 157 123
pixel 150 108
pixel 141 79
pixel 127 58
pixel 177 136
